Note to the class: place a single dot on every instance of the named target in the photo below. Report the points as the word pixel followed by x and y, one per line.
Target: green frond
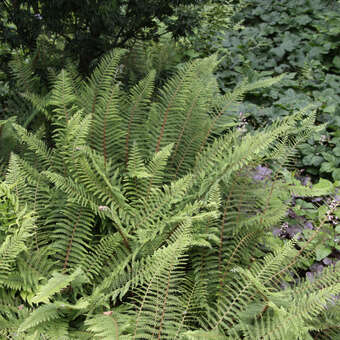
pixel 106 133
pixel 16 239
pixel 63 98
pixel 109 327
pixel 159 295
pixel 104 257
pixel 22 70
pixel 137 177
pixel 167 113
pixel 101 99
pixel 42 315
pixel 201 334
pixel 71 188
pixel 30 271
pixel 156 204
pixel 134 114
pixel 54 286
pixel 35 144
pixel 102 78
pixel 40 103
pixel 241 290
pixel 71 235
pixel 98 179
pixel 136 167
pixel 292 320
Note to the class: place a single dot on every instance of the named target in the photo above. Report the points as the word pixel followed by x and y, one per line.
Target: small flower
pixel 305 180
pixel 242 123
pixel 323 139
pixel 261 173
pixel 277 232
pixel 284 226
pixel 103 207
pixel 316 268
pixel 241 129
pixel 21 307
pixel 310 276
pixel 291 213
pixel 293 230
pixel 327 261
pixel 308 225
pixel 284 285
pixel 108 312
pixel 38 16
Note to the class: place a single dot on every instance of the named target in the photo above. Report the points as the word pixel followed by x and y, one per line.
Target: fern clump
pixel 148 222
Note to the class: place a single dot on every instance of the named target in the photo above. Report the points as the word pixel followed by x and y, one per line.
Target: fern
pixel 142 219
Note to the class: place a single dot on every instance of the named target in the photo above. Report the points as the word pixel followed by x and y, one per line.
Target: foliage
pixel 300 38
pixel 217 17
pixel 33 70
pixel 149 217
pixel 20 76
pixel 85 33
pixel 301 220
pixel 23 75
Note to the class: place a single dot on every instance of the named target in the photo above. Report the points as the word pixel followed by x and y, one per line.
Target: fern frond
pixel 71 235
pixel 63 97
pixel 135 112
pixel 167 113
pixel 55 285
pixel 16 241
pixel 102 78
pixel 35 145
pixel 109 327
pixel 158 295
pixel 23 71
pixel 42 315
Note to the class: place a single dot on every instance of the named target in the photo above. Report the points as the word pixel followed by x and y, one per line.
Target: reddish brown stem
pixel 71 241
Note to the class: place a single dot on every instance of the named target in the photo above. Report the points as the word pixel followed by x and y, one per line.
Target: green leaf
pixel 303 19
pixel 55 285
pixel 317 160
pixel 306 148
pixel 336 61
pixel 336 151
pixel 191 53
pixel 329 157
pixel 336 174
pixel 330 108
pixel 307 160
pixel 324 184
pixel 337 213
pixel 326 167
pixel 322 251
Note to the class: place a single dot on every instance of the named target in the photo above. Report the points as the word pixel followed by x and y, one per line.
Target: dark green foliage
pixel 300 38
pixel 89 30
pixel 148 217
